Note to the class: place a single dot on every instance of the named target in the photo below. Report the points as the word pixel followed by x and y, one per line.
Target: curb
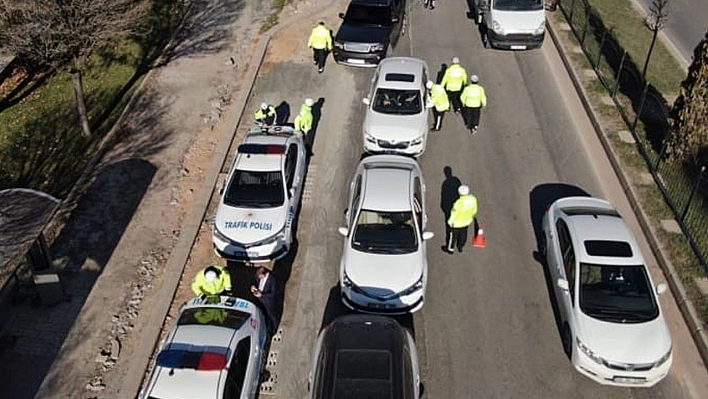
pixel 178 258
pixel 688 311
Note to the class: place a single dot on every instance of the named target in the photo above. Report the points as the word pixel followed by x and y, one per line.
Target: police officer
pixel 454 81
pixel 320 42
pixel 473 99
pixel 441 103
pixel 213 280
pixel 266 115
pixel 429 4
pixel 461 217
pixel 303 121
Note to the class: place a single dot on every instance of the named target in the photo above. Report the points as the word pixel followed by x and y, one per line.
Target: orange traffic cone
pixel 479 240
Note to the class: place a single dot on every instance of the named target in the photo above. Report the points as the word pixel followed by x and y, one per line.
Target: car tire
pixel 404 25
pixel 567 339
pixel 485 39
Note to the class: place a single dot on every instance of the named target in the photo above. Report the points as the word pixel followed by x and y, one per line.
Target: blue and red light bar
pixel 267 149
pixel 197 357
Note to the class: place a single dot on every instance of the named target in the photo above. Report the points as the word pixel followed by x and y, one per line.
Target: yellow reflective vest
pixel 473 96
pixel 320 38
pixel 260 115
pixel 439 98
pixel 463 211
pixel 201 286
pixel 303 121
pixel 455 78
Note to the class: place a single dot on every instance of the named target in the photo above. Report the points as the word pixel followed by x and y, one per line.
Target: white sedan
pixel 261 196
pixel 611 323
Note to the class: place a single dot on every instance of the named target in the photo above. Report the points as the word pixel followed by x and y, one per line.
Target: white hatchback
pixel 261 196
pixel 384 268
pixel 611 323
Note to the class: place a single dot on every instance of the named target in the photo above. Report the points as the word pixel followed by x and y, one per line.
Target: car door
pixel 565 270
pixel 354 201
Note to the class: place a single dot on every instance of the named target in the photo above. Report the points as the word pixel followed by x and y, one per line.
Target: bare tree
pixel 656 21
pixel 64 33
pixel 689 139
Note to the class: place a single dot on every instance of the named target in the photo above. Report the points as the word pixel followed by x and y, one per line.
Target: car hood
pixel 362 34
pixel 519 22
pixel 636 343
pixel 395 127
pixel 249 225
pixel 383 274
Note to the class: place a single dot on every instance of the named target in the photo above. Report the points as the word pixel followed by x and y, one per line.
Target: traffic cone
pixel 479 240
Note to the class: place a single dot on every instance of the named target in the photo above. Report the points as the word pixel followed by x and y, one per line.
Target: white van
pixel 511 24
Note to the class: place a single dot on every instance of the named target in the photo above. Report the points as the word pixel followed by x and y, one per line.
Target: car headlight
pixel 589 353
pixel 279 236
pixel 497 28
pixel 339 45
pixel 663 359
pixel 218 234
pixel 347 282
pixel 369 138
pixel 378 47
pixel 541 28
pixel 417 141
pixel 413 288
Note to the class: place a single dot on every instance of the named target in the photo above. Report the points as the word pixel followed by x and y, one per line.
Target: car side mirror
pixel 343 231
pixel 661 288
pixel 291 192
pixel 483 6
pixel 562 284
pixel 394 19
pixel 428 235
pixel 221 191
pixel 366 100
pixel 341 15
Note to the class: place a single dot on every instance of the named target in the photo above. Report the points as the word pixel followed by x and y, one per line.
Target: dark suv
pixel 368 29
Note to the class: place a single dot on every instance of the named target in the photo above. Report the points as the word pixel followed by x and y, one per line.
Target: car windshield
pixel 213 316
pixel 397 102
pixel 367 15
pixel 250 189
pixel 619 294
pixel 518 5
pixel 385 232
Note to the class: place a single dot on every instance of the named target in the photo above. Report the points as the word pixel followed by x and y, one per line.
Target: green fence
pixel 644 110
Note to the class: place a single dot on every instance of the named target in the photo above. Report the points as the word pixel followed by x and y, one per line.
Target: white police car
pixel 215 350
pixel 261 195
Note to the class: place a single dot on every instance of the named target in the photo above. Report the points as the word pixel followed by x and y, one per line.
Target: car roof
pixel 387 183
pixel 353 341
pixel 393 72
pixel 262 152
pixel 372 2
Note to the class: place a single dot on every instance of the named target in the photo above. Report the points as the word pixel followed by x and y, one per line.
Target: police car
pixel 261 196
pixel 215 350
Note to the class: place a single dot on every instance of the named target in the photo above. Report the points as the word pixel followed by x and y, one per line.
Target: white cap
pixel 429 84
pixel 264 106
pixel 463 190
pixel 309 102
pixel 474 78
pixel 455 60
pixel 210 276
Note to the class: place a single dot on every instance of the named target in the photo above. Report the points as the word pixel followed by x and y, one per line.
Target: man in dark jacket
pixel 266 290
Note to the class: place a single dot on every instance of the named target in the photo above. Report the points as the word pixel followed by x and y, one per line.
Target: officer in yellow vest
pixel 266 115
pixel 473 99
pixel 303 121
pixel 461 217
pixel 441 103
pixel 321 43
pixel 454 81
pixel 212 281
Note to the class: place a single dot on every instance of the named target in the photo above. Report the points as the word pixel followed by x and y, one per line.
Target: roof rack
pixel 279 130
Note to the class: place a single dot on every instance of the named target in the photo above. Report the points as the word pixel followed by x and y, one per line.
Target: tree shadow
pixel 28 81
pixel 441 72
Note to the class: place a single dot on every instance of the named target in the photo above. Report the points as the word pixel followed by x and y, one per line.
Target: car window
pixel 237 369
pixel 518 5
pixel 385 232
pixel 358 14
pixel 213 316
pixel 418 202
pixel 255 189
pixel 397 102
pixel 620 294
pixel 356 198
pixel 290 165
pixel 567 256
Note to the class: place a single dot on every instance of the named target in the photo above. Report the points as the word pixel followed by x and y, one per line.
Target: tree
pixel 689 139
pixel 656 21
pixel 63 33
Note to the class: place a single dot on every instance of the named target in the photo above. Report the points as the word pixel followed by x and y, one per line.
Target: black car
pixel 368 29
pixel 365 356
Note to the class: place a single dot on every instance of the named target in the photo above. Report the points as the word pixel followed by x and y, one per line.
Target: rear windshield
pixel 363 374
pixel 213 316
pixel 368 15
pixel 249 189
pixel 518 5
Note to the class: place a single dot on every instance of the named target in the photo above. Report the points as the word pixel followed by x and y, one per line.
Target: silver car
pixel 384 268
pixel 397 119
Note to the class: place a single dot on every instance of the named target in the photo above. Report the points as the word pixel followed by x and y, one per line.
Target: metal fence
pixel 644 110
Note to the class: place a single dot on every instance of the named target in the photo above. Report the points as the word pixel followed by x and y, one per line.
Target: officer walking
pixel 321 43
pixel 213 280
pixel 461 217
pixel 441 103
pixel 303 121
pixel 473 99
pixel 454 81
pixel 266 115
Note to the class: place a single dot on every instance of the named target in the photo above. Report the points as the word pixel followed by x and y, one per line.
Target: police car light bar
pixel 186 356
pixel 267 149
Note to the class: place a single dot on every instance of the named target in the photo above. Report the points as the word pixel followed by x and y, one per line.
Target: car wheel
pixel 567 339
pixel 404 25
pixel 485 40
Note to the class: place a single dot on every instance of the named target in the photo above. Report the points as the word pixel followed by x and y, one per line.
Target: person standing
pixel 473 99
pixel 320 42
pixel 454 80
pixel 303 121
pixel 429 4
pixel 266 115
pixel 461 217
pixel 213 280
pixel 441 103
pixel 266 290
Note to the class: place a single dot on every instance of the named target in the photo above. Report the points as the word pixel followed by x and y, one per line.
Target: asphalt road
pixel 487 329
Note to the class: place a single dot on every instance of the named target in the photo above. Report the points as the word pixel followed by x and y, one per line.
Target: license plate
pixel 242 254
pixel 377 305
pixel 355 61
pixel 518 47
pixel 629 380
